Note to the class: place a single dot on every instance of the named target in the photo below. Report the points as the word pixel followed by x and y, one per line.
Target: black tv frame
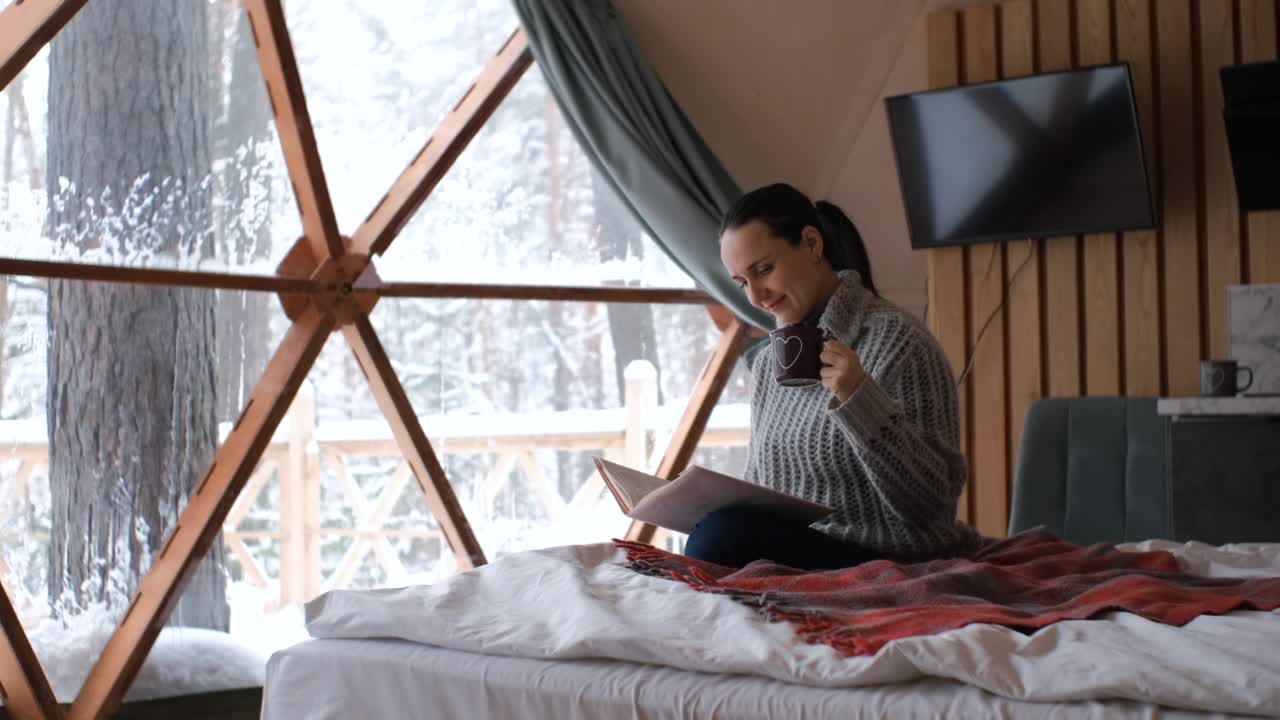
pixel 1060 232
pixel 1251 118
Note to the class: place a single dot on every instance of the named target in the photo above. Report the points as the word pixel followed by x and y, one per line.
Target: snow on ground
pixel 183 661
pixel 256 624
pixel 191 660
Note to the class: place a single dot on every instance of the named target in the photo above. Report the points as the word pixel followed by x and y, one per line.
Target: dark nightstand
pixel 1223 468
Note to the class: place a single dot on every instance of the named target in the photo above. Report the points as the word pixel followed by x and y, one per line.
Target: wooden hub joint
pixel 344 286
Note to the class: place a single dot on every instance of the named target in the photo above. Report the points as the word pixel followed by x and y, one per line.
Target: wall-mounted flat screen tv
pixel 1039 156
pixel 1251 110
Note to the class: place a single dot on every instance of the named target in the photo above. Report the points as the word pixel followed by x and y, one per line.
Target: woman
pixel 878 440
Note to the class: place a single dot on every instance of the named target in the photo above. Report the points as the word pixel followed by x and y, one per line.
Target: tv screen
pixel 1046 155
pixel 1251 111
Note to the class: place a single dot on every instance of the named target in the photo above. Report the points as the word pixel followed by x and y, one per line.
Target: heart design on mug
pixel 780 355
pixel 1217 379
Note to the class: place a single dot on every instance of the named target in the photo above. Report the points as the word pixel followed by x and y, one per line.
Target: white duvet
pixel 577 602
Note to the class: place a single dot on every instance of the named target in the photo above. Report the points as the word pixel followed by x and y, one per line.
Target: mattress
pixel 577 603
pixel 369 678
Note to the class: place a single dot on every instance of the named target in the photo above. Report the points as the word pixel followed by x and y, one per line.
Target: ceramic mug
pixel 796 350
pixel 1221 378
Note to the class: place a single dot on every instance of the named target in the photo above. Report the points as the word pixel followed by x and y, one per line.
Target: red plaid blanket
pixel 1024 582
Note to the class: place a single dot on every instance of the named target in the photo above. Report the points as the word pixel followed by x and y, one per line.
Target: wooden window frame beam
pixel 25 27
pixel 706 392
pixel 23 685
pixel 293 123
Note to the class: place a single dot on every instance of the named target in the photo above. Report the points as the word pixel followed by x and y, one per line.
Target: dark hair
pixel 786 211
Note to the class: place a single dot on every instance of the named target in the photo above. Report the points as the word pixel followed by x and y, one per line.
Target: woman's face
pixel 787 281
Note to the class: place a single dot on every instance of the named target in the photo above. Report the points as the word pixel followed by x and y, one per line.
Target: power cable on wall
pixel 977 342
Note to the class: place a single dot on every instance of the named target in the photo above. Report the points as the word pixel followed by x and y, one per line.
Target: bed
pixel 570 632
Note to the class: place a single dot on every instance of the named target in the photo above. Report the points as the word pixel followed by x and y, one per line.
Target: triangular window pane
pixel 379 77
pixel 100 176
pixel 523 205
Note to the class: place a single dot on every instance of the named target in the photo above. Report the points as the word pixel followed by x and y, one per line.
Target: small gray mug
pixel 1221 378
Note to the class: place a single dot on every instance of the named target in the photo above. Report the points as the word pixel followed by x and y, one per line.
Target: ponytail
pixel 843 246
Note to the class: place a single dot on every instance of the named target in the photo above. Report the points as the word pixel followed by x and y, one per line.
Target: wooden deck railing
pixel 304 452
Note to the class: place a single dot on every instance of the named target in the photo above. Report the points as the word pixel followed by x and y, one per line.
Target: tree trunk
pixel 563 376
pixel 131 373
pixel 18 129
pixel 630 324
pixel 10 137
pixel 243 332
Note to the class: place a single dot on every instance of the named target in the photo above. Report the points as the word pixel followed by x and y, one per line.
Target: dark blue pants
pixel 736 536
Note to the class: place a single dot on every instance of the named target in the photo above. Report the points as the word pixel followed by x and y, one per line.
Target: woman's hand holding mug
pixel 842 370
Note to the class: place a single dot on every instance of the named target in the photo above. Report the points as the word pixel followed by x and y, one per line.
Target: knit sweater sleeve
pixel 756 390
pixel 904 429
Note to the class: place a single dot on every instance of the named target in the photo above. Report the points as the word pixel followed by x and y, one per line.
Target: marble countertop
pixel 1239 405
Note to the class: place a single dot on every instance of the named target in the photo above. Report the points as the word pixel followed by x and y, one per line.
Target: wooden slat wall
pixel 1221 218
pixel 1177 112
pixel 1143 351
pixel 1026 381
pixel 1113 313
pixel 946 266
pixel 1257 32
pixel 1061 254
pixel 1100 252
pixel 986 295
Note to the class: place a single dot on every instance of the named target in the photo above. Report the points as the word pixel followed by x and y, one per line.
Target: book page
pixel 629 486
pixel 680 504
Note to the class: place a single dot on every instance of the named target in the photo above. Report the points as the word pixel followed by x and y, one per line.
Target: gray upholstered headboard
pixel 1093 470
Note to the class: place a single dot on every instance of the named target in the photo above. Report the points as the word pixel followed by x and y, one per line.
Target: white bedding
pixel 576 602
pixel 339 679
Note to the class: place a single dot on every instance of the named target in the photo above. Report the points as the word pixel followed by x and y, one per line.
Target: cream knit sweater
pixel 888 460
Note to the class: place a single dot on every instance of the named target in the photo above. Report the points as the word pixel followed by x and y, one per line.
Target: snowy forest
pixel 143 136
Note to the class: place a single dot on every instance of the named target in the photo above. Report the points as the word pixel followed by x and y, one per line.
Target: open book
pixel 679 505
